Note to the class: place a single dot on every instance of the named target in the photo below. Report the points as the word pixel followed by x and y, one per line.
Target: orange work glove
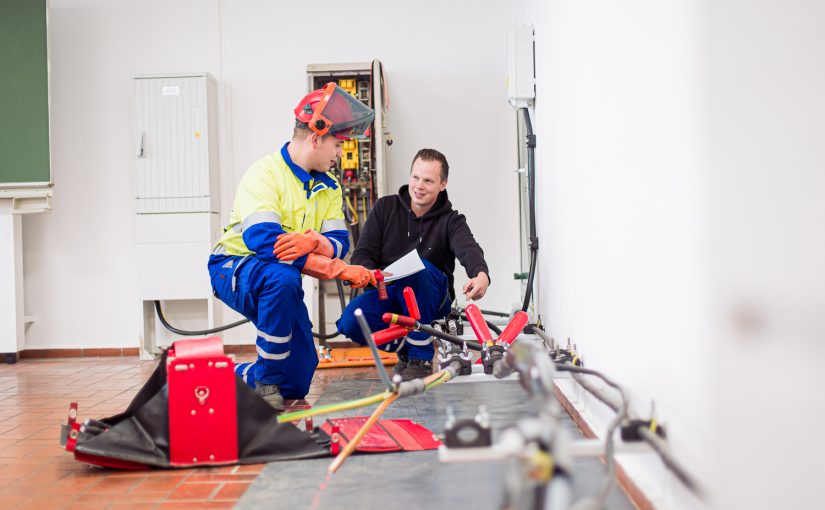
pixel 325 268
pixel 358 276
pixel 293 245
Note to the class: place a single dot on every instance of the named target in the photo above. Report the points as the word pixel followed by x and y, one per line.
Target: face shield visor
pixel 334 110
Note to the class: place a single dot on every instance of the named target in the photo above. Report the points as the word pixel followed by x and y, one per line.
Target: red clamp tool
pixel 493 351
pixel 397 329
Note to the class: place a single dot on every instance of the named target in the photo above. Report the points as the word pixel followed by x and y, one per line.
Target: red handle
pixel 382 287
pixel 335 440
pixel 478 323
pixel 402 320
pixel 412 304
pixel 514 327
pixel 388 335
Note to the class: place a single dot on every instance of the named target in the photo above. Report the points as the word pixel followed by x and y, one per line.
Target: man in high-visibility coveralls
pixel 286 220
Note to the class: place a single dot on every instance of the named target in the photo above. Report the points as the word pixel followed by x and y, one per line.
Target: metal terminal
pixel 467 433
pixel 483 417
pixel 450 417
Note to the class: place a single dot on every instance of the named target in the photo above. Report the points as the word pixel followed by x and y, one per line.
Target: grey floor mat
pixel 412 479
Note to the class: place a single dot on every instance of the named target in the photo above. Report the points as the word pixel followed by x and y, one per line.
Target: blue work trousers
pixel 432 295
pixel 271 297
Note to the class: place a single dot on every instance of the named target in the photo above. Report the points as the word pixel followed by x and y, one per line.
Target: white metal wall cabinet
pixel 177 195
pixel 174 144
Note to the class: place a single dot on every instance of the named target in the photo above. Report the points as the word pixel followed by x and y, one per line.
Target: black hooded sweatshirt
pixel 441 235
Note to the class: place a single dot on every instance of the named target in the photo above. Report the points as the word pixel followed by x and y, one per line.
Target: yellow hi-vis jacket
pixel 276 196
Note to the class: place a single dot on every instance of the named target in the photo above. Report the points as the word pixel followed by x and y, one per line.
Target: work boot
pixel 416 368
pixel 401 365
pixel 272 394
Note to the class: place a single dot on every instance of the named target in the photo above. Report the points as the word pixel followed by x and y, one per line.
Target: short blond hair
pixel 433 155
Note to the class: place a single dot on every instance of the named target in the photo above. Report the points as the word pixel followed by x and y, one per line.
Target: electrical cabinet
pixel 362 170
pixel 176 193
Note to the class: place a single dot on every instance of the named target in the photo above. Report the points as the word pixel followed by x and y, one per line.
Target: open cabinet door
pixel 382 138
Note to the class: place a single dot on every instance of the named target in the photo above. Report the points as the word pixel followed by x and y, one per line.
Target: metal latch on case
pixel 201 393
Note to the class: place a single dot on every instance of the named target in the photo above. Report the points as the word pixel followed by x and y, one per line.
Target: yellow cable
pixel 353 211
pixel 331 408
pixel 440 380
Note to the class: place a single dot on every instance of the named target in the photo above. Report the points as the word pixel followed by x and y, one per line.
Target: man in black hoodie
pixel 420 217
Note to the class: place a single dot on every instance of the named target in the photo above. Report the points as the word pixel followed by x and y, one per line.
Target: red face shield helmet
pixel 334 110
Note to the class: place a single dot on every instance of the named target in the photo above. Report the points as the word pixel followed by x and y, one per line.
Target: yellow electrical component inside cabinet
pixel 349 160
pixel 349 86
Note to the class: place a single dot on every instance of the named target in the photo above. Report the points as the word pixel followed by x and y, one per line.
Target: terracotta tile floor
pixel 36 473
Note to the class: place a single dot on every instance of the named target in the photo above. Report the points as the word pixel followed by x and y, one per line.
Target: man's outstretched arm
pixel 471 256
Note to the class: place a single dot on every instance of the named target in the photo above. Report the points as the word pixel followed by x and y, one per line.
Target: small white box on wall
pixel 521 77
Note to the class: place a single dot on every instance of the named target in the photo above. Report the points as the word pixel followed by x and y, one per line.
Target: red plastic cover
pixel 203 426
pixel 385 436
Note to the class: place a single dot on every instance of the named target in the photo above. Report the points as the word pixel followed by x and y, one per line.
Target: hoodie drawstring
pixel 420 227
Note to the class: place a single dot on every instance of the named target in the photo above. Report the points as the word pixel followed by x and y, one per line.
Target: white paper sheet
pixel 405 266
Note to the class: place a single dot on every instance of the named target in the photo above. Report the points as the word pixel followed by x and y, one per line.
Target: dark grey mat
pixel 413 479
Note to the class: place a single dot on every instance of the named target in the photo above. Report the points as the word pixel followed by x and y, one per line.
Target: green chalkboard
pixel 24 94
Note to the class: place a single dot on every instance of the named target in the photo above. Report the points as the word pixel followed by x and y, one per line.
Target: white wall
pixel 80 270
pixel 765 132
pixel 623 268
pixel 679 166
pixel 445 71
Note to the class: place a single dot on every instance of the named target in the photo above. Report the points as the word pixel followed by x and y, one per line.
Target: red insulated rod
pixel 514 327
pixel 401 320
pixel 412 304
pixel 479 324
pixel 388 335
